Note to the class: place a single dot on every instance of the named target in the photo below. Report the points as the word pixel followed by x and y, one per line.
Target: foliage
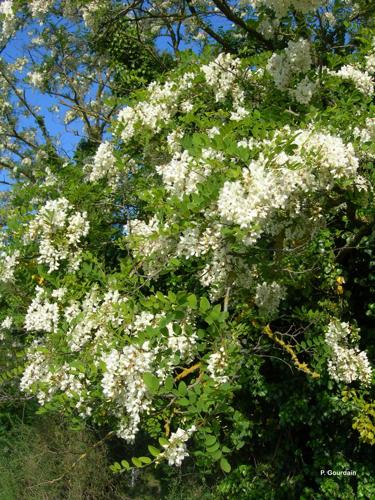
pixel 195 282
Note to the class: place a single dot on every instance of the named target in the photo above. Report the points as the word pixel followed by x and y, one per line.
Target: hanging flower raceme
pixel 59 231
pixel 347 363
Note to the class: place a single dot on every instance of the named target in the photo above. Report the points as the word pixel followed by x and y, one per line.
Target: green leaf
pixel 137 462
pixel 210 440
pixel 225 465
pixel 154 451
pixel 216 455
pixel 116 467
pixel 125 464
pixel 152 382
pixel 204 305
pixel 192 301
pixel 183 402
pixel 213 448
pixel 168 384
pixel 145 460
pixel 182 389
pixel 163 442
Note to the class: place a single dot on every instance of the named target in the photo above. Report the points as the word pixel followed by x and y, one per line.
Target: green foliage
pixel 134 60
pixel 190 326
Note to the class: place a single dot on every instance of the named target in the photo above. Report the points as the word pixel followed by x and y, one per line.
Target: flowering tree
pixel 202 278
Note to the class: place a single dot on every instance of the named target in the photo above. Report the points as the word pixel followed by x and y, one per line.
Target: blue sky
pixel 69 140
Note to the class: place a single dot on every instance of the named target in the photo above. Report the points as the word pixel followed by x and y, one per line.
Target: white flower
pixel 268 297
pixel 59 293
pixel 40 7
pixel 8 265
pixel 366 134
pixel 212 132
pixel 59 231
pixel 304 91
pixel 277 181
pixel 6 8
pixel 361 79
pixel 347 364
pixel 42 315
pixel 6 324
pixel 216 366
pixel 123 385
pixel 175 451
pixel 281 7
pixel 295 59
pixel 221 74
pixel 104 163
pixel 36 78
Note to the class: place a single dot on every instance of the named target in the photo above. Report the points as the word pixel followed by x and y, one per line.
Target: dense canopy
pixel 188 233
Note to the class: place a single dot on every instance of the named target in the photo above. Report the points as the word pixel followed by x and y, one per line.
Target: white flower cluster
pixel 42 315
pixel 50 178
pixel 304 90
pixel 6 324
pixel 362 80
pixel 90 9
pixel 370 63
pixel 366 134
pixel 104 163
pixel 347 364
pixel 92 325
pixel 194 243
pixel 8 265
pixel 161 105
pixel 165 100
pixel 123 385
pixel 221 74
pixel 216 366
pixel 370 59
pixel 278 192
pixel 36 78
pixel 277 181
pixel 40 8
pixel 215 272
pixel 182 343
pixel 295 59
pixel 91 321
pixel 173 141
pixel 268 27
pixel 59 231
pixel 147 239
pixel 282 7
pixel 42 378
pixel 6 8
pixel 36 372
pixel 268 297
pixel 8 22
pixel 183 173
pixel 175 451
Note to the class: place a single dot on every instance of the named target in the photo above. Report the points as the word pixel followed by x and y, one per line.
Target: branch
pixel 209 30
pixel 187 371
pixel 288 348
pixel 232 16
pixel 21 96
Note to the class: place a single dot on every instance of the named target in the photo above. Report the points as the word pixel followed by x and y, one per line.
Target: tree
pixel 195 284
